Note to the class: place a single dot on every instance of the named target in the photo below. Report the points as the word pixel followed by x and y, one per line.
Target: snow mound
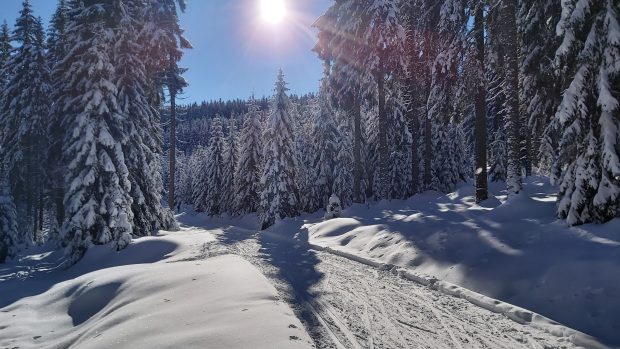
pixel 510 249
pixel 181 301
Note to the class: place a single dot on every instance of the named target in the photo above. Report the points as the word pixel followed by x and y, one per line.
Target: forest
pixel 416 96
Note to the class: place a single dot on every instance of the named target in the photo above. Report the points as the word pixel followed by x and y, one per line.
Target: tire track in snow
pixel 360 307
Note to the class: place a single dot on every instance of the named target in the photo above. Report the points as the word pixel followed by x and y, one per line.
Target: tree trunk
pixel 509 27
pixel 415 165
pixel 173 149
pixel 357 149
pixel 428 151
pixel 480 128
pixel 383 148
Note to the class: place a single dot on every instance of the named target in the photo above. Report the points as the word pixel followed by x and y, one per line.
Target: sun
pixel 273 11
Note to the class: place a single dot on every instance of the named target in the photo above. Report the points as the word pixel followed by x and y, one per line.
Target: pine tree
pixel 589 114
pixel 540 92
pixel 198 165
pixel 498 155
pixel 384 39
pixel 399 146
pixel 324 135
pixel 341 31
pixel 98 200
pixel 444 164
pixel 343 167
pixel 57 46
pixel 508 14
pixel 247 179
pixel 229 170
pixel 5 52
pixel 24 118
pixel 8 219
pixel 215 194
pixel 279 198
pixel 143 148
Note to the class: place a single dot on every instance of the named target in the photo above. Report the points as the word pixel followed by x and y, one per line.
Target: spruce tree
pixel 325 136
pixel 229 169
pixel 588 116
pixel 8 218
pixel 198 166
pixel 279 197
pixel 57 46
pixel 247 179
pixel 98 188
pixel 343 167
pixel 24 115
pixel 540 92
pixel 215 194
pixel 442 100
pixel 399 146
pixel 5 52
pixel 341 42
pixel 143 148
pixel 384 39
pixel 508 15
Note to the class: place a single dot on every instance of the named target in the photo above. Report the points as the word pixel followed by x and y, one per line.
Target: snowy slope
pixel 161 292
pixel 514 251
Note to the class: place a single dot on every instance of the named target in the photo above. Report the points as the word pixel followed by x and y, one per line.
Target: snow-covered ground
pixel 161 292
pixel 219 283
pixel 513 250
pixel 348 304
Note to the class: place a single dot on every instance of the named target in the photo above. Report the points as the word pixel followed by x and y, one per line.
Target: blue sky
pixel 235 51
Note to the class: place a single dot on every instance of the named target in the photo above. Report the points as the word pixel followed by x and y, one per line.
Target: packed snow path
pixel 346 304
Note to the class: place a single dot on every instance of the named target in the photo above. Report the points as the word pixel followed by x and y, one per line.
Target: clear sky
pixel 236 51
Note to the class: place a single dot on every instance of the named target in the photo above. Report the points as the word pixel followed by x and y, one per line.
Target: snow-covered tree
pixel 384 39
pixel 325 137
pixel 445 167
pixel 229 169
pixel 57 47
pixel 589 114
pixel 24 116
pixel 143 147
pixel 5 51
pixel 399 145
pixel 247 179
pixel 343 167
pixel 514 137
pixel 341 33
pixel 98 189
pixel 214 198
pixel 279 197
pixel 540 92
pixel 198 166
pixel 8 218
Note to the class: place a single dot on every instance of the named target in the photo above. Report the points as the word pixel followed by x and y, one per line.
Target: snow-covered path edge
pixel 513 312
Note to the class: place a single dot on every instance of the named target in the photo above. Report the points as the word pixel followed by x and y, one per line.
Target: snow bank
pixel 508 249
pixel 180 301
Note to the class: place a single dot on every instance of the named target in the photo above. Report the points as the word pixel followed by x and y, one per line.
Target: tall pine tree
pixel 589 113
pixel 98 188
pixel 279 198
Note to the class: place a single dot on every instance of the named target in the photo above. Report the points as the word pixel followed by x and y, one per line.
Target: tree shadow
pixel 285 246
pixel 44 274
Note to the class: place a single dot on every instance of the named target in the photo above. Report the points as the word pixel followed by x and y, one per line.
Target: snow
pixel 511 249
pixel 159 292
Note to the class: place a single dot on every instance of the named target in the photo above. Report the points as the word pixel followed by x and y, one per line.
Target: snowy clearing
pixel 160 292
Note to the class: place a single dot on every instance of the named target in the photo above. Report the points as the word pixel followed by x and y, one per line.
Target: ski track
pixel 355 306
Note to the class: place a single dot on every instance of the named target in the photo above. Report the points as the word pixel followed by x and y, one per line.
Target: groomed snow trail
pixel 345 304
